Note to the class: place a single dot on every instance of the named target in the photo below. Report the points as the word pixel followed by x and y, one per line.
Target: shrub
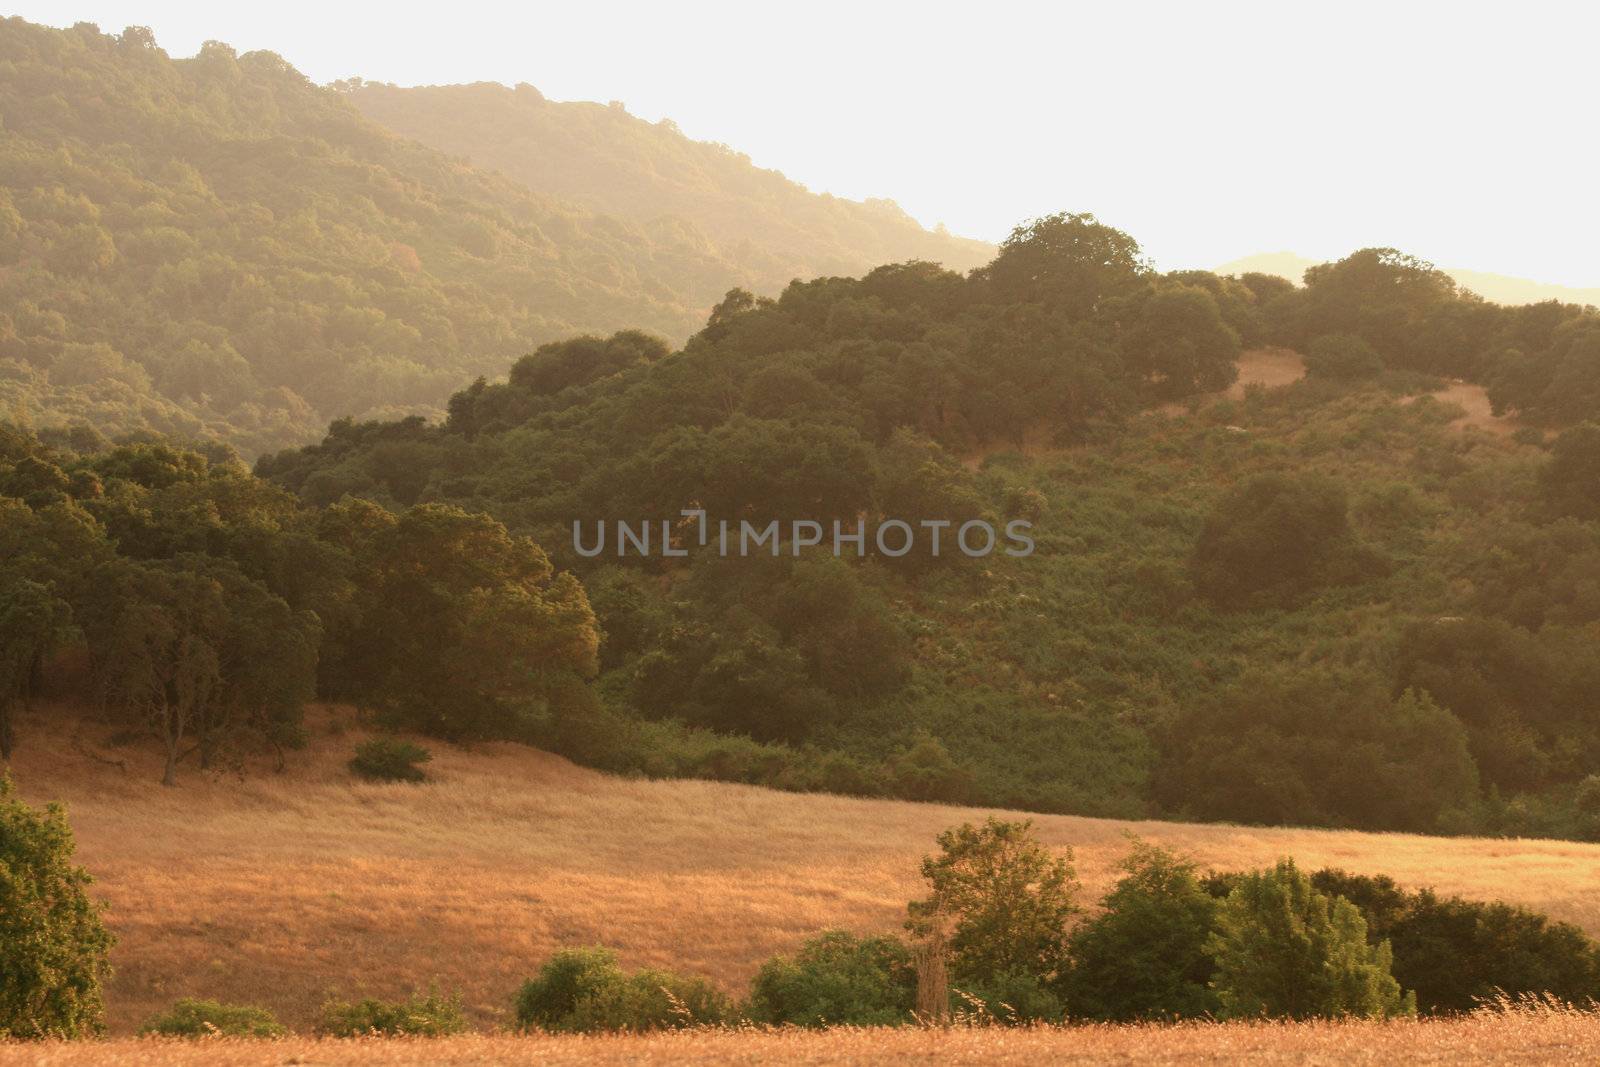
pixel 548 1000
pixel 1011 998
pixel 388 759
pixel 52 943
pixel 837 979
pixel 1342 356
pixel 579 990
pixel 432 1015
pixel 1284 950
pixel 926 771
pixel 209 1018
pixel 1004 898
pixel 1144 956
pixel 651 1000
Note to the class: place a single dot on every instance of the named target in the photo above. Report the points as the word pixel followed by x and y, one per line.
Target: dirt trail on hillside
pixel 1270 368
pixel 1474 401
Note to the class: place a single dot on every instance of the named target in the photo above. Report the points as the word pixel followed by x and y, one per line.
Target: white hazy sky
pixel 1462 132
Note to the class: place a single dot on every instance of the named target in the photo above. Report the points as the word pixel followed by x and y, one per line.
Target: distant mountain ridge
pixel 768 228
pixel 217 248
pixel 1500 288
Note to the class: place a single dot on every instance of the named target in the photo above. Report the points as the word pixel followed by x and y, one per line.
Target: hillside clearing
pixel 286 889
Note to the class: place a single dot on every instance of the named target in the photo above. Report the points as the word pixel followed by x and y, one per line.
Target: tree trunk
pixel 933 980
pixel 170 775
pixel 6 739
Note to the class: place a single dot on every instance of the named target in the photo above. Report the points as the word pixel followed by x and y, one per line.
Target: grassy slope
pixel 284 889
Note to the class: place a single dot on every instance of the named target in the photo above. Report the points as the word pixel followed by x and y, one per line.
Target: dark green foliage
pixel 1284 950
pixel 461 624
pixel 1002 899
pixel 1010 998
pixel 1519 694
pixel 1455 953
pixel 1571 479
pixel 1276 539
pixel 388 759
pixel 1342 356
pixel 584 990
pixel 53 944
pixel 209 1018
pixel 837 979
pixel 1144 955
pixel 1320 748
pixel 430 1015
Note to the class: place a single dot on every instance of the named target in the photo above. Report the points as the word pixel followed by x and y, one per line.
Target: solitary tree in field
pixel 1003 898
pixel 52 943
pixel 1284 950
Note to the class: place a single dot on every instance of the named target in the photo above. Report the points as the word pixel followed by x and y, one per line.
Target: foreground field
pixel 285 889
pixel 1545 1037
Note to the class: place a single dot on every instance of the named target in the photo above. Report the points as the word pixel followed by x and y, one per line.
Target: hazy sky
pixel 1462 132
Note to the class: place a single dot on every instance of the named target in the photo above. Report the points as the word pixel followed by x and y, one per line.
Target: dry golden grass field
pixel 285 889
pixel 1537 1037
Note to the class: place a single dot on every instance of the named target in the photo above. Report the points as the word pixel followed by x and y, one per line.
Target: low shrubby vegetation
pixel 585 989
pixel 389 759
pixel 208 1018
pixel 430 1014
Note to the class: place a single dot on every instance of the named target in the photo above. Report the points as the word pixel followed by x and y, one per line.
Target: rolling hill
pixel 216 248
pixel 282 889
pixel 768 229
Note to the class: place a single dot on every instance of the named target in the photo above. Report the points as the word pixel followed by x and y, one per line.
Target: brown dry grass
pixel 280 890
pixel 1476 411
pixel 1544 1037
pixel 1269 368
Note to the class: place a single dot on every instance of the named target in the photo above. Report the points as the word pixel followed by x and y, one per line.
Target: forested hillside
pixel 216 247
pixel 768 229
pixel 1324 604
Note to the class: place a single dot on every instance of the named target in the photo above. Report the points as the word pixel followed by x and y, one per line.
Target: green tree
pixel 1180 345
pixel 465 627
pixel 1144 955
pixel 156 637
pixel 53 944
pixel 1072 262
pixel 1002 899
pixel 1284 950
